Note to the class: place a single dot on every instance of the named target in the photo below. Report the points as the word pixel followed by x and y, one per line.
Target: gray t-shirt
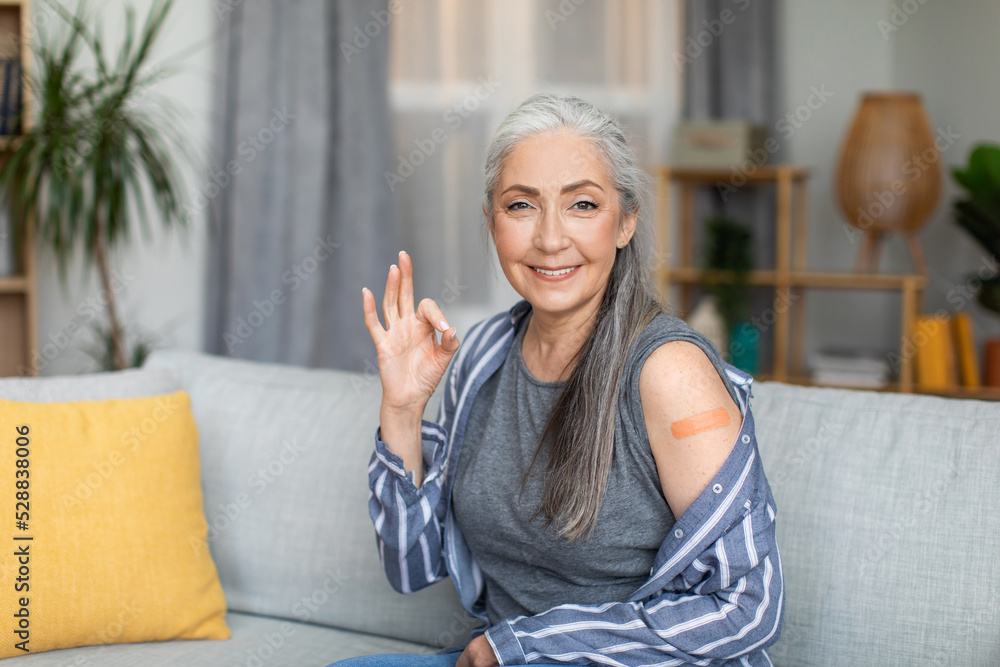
pixel 526 566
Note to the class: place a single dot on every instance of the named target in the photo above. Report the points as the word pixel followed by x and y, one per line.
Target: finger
pixel 406 284
pixel 374 327
pixel 390 307
pixel 428 311
pixel 450 342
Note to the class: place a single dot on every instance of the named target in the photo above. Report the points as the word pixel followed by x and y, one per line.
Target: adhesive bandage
pixel 706 421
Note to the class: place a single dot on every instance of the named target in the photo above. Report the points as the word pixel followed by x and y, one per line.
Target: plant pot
pixel 744 346
pixel 708 321
pixel 991 376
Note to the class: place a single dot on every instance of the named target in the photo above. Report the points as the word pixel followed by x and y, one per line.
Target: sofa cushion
pixel 285 453
pixel 108 502
pixel 888 525
pixel 257 641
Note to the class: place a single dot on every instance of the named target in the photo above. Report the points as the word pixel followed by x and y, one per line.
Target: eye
pixel 517 206
pixel 585 205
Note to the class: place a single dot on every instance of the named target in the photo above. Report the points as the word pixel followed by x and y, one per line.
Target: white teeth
pixel 554 273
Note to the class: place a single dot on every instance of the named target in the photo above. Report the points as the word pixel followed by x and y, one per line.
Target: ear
pixel 489 227
pixel 628 225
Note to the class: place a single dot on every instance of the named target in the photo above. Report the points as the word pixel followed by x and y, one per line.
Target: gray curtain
pixel 736 77
pixel 299 217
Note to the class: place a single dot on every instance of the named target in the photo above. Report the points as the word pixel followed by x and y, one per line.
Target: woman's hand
pixel 478 653
pixel 411 362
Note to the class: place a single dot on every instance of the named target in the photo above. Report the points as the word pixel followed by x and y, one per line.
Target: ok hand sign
pixel 411 362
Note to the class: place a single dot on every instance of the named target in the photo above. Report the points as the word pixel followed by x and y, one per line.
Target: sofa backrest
pixel 131 383
pixel 284 453
pixel 888 508
pixel 888 525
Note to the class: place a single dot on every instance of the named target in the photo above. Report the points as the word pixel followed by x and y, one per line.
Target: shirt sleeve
pixel 409 520
pixel 725 605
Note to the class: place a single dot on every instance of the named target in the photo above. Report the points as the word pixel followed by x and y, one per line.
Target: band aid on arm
pixel 699 423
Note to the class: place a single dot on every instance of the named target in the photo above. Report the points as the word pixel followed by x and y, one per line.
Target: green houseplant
pixel 726 265
pixel 99 146
pixel 978 213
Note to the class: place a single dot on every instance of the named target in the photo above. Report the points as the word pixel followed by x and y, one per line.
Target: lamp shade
pixel 889 173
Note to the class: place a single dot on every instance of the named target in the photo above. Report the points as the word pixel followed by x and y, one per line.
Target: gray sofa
pixel 888 521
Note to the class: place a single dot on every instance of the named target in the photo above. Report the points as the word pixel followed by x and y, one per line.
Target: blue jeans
pixel 403 660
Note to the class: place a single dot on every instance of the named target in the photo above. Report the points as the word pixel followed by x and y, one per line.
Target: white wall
pixel 165 274
pixel 949 53
pixel 945 51
pixel 834 46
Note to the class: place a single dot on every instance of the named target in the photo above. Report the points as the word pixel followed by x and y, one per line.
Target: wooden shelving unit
pixel 18 314
pixel 790 277
pixel 979 393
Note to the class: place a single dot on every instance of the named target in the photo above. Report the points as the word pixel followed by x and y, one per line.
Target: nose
pixel 550 237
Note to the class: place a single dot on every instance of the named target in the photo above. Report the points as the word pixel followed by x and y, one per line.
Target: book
pixel 8 265
pixel 851 359
pixel 849 379
pixel 935 359
pixel 10 95
pixel 965 349
pixel 860 367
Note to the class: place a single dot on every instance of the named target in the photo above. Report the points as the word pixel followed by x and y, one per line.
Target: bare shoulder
pixel 680 369
pixel 690 417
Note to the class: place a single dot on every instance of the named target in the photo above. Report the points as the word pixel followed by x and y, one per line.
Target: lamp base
pixel 868 256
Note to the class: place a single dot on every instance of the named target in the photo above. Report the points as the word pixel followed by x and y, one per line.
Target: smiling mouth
pixel 555 272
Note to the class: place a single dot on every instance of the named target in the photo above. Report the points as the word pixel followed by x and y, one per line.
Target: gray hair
pixel 582 423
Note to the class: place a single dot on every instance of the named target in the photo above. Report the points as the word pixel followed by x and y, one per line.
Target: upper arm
pixel 691 420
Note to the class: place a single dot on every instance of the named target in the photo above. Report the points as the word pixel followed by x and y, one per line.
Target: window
pixel 458 67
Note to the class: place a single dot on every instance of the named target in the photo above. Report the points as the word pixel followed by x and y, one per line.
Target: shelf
pixel 802 278
pixel 18 293
pixel 790 274
pixel 980 393
pixel 14 285
pixel 761 174
pixel 806 381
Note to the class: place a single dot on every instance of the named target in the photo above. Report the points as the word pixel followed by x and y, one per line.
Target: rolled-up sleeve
pixel 408 520
pixel 717 595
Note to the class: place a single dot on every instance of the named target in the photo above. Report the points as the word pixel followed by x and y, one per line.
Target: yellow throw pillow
pixel 101 520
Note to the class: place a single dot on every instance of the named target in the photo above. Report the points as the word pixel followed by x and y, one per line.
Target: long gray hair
pixel 582 424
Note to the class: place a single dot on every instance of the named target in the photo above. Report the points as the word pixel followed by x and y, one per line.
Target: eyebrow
pixel 569 188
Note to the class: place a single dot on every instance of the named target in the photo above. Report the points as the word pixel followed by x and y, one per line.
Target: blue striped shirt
pixel 714 595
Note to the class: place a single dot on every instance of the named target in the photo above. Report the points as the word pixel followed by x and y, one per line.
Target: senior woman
pixel 592 484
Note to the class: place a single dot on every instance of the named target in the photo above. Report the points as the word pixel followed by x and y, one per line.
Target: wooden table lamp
pixel 889 174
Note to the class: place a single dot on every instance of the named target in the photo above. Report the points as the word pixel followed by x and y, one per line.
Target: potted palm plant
pixel 978 213
pixel 100 145
pixel 726 266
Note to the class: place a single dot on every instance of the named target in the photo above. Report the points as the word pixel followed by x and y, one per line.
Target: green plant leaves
pixel 979 212
pixel 989 294
pixel 98 146
pixel 728 247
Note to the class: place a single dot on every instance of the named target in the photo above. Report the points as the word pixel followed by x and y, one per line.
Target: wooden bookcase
pixel 790 277
pixel 18 334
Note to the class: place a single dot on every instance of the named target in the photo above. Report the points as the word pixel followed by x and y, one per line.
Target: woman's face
pixel 554 209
